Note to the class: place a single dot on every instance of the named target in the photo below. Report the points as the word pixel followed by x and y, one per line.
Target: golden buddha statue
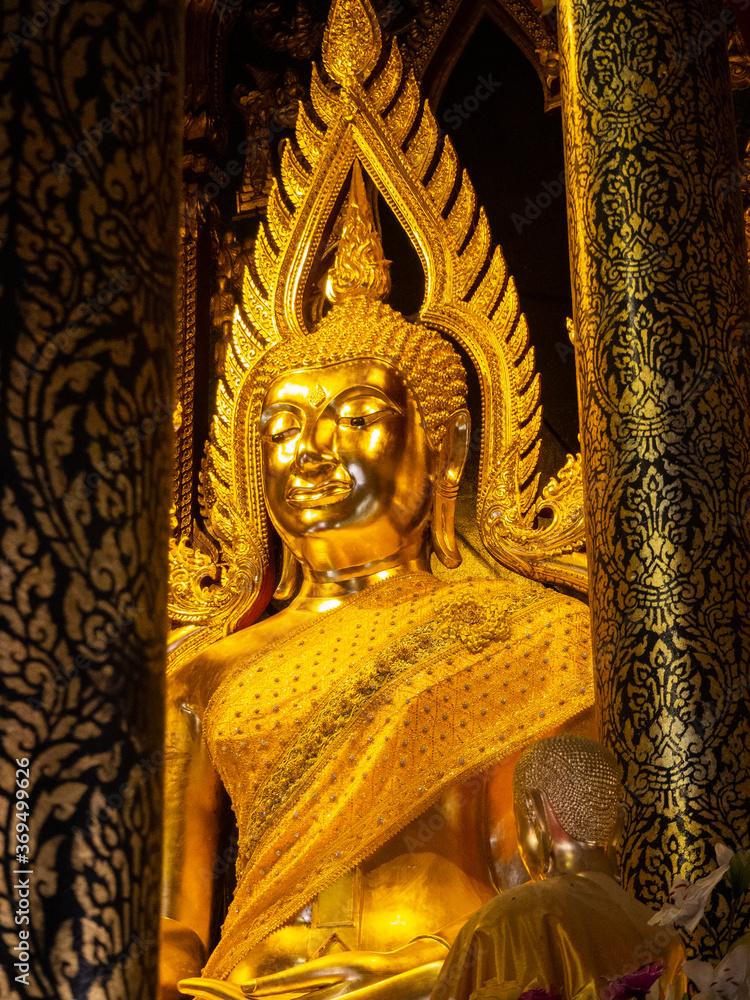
pixel 572 927
pixel 365 733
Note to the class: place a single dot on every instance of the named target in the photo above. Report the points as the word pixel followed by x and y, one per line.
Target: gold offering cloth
pixel 332 740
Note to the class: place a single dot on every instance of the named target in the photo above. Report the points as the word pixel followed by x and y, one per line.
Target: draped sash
pixel 333 739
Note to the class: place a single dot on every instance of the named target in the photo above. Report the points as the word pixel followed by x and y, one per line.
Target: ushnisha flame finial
pixel 352 42
pixel 359 267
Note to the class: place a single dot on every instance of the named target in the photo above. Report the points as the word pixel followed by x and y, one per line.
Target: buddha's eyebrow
pixel 352 392
pixel 273 408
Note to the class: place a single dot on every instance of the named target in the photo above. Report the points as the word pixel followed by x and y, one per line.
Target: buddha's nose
pixel 316 445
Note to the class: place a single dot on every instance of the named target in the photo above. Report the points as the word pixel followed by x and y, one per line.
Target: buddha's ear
pixel 539 807
pixel 452 458
pixel 288 583
pixel 613 847
pixel 532 832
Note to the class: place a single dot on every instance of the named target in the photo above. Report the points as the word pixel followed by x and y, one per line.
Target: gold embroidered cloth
pixel 334 739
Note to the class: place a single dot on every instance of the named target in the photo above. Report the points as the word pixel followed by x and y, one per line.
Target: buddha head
pixel 566 799
pixel 363 435
pixel 338 422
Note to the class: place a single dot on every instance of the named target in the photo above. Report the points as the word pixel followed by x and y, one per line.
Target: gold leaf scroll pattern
pixel 661 346
pixel 85 474
pixel 469 296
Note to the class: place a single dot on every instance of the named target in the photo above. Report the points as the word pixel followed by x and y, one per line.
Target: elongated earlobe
pixel 453 452
pixel 288 583
pixel 444 542
pixel 613 847
pixel 537 806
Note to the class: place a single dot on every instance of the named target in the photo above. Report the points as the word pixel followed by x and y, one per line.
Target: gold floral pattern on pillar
pixel 91 96
pixel 660 277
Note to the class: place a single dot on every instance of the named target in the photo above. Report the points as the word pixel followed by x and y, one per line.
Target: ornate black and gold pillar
pixel 663 343
pixel 91 97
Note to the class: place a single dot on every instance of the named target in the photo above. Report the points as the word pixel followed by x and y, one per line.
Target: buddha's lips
pixel 317 496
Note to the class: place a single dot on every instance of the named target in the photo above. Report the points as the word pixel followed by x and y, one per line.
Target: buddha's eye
pixel 361 412
pixel 282 427
pixel 281 436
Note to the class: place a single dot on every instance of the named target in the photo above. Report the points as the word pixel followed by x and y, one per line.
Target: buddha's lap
pixel 428 875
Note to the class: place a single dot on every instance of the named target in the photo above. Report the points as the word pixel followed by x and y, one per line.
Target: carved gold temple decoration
pixel 185 376
pixel 371 115
pixel 521 20
pixel 431 43
pixel 359 263
pixel 739 59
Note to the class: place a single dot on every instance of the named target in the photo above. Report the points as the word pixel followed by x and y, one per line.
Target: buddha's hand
pixel 334 975
pixel 351 967
pixel 206 988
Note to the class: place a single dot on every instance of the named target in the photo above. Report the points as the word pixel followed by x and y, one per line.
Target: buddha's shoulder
pixel 557 896
pixel 199 676
pixel 515 591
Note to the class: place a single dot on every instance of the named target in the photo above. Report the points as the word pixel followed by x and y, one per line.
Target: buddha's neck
pixel 323 591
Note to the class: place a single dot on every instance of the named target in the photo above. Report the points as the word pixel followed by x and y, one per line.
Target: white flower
pixel 688 902
pixel 728 981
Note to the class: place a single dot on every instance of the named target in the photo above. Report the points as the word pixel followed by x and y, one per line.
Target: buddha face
pixel 348 472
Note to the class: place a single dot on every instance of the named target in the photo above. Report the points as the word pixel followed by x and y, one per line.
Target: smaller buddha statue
pixel 572 927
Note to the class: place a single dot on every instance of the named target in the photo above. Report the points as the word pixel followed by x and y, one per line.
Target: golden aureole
pixel 572 927
pixel 364 734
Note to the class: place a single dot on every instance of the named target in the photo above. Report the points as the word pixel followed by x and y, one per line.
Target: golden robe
pixel 331 741
pixel 569 933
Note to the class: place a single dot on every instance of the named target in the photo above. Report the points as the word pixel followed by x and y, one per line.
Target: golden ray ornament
pixel 358 267
pixel 372 119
